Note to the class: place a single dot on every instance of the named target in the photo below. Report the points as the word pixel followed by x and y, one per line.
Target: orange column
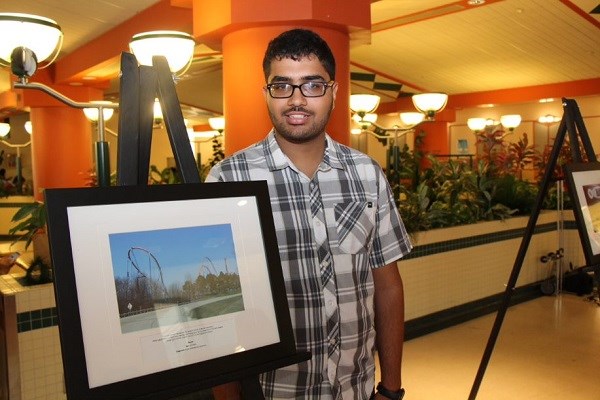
pixel 242 30
pixel 62 139
pixel 61 148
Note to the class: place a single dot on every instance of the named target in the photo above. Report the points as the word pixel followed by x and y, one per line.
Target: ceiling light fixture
pixel 548 119
pixel 4 129
pixel 430 103
pixel 363 104
pixel 92 113
pixel 366 120
pixel 476 124
pixel 176 47
pixel 28 40
pixel 217 124
pixel 411 118
pixel 510 121
pixel 157 113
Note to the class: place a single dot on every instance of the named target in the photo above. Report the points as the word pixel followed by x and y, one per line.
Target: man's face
pixel 299 119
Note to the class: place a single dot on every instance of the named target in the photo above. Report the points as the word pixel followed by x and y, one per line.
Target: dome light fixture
pixel 217 124
pixel 548 119
pixel 28 40
pixel 92 113
pixel 176 47
pixel 510 121
pixel 410 119
pixel 477 124
pixel 363 104
pixel 4 129
pixel 157 113
pixel 430 103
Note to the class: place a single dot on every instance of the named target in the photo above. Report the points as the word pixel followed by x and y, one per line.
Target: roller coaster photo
pixel 146 300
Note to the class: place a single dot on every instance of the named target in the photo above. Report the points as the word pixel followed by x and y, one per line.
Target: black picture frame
pixel 583 181
pixel 78 222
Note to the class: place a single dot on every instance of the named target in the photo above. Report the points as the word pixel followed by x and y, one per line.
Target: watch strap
pixel 382 390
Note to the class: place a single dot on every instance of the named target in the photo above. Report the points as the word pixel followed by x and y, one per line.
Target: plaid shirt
pixel 331 230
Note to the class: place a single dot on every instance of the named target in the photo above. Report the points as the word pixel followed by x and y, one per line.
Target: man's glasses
pixel 280 90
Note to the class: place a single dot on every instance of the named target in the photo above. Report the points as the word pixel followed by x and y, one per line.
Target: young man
pixel 338 231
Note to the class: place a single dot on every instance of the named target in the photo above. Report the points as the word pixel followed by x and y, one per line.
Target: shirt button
pixel 331 342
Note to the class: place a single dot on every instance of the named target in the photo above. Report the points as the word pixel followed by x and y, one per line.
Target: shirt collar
pixel 276 159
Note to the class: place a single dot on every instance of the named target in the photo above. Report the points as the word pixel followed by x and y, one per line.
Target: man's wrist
pixel 390 394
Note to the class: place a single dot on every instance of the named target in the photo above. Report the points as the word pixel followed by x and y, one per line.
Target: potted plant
pixel 30 226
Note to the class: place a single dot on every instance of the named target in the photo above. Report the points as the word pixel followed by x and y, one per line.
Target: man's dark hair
pixel 297 44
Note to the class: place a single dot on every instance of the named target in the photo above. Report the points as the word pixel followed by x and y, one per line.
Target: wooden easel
pixel 571 123
pixel 139 87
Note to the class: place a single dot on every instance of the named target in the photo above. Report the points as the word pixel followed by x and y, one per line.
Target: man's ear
pixel 334 89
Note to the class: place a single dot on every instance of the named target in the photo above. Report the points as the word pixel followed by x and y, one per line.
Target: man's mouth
pixel 296 117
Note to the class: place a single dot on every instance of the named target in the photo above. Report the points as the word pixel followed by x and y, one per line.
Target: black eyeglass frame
pixel 299 87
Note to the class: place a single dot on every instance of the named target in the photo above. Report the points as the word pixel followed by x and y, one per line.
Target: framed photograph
pixel 166 289
pixel 584 187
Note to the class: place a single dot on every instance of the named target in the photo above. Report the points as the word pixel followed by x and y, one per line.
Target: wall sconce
pixel 92 113
pixel 157 113
pixel 510 121
pixel 176 47
pixel 4 129
pixel 365 121
pixel 430 103
pixel 410 119
pixel 477 124
pixel 363 104
pixel 548 119
pixel 28 127
pixel 26 41
pixel 217 123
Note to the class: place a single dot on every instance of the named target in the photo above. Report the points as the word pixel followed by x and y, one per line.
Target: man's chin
pixel 298 136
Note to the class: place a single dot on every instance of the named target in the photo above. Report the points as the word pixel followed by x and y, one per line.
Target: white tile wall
pixel 40 360
pixel 440 281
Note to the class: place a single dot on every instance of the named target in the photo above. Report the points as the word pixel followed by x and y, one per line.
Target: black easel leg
pixel 512 281
pixel 251 389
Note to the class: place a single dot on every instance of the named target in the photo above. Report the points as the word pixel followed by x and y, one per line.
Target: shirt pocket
pixel 355 222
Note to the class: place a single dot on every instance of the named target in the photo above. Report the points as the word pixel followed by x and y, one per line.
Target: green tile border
pixel 479 240
pixel 37 319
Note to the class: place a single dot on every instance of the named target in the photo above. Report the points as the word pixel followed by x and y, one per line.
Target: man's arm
pixel 389 324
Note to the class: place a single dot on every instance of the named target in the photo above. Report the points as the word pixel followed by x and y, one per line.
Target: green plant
pixel 168 175
pixel 217 155
pixel 30 219
pixel 455 192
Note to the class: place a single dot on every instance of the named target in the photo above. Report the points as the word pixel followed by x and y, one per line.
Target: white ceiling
pixel 416 45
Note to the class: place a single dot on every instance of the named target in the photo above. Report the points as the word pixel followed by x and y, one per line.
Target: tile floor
pixel 547 348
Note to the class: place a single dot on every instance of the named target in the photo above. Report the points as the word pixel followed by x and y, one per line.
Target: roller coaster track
pixel 133 259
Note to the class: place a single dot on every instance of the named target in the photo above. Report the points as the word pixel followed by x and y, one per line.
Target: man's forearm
pixel 389 324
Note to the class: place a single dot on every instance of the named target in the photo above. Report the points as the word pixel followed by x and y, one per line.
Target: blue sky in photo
pixel 179 251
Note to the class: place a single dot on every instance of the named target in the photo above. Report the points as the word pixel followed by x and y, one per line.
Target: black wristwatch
pixel 382 390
